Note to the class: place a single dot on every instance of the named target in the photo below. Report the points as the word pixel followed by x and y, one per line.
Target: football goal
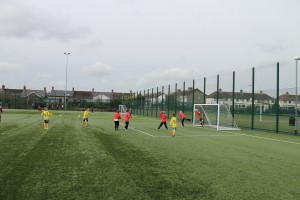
pixel 215 115
pixel 122 109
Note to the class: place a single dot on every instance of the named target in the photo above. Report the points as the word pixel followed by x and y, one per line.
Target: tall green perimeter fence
pixel 261 98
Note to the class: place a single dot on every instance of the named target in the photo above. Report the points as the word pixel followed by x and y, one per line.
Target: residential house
pixel 102 97
pixel 186 96
pixel 287 101
pixel 241 99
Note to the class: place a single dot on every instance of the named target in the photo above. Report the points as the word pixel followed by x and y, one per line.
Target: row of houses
pixel 241 99
pixel 56 96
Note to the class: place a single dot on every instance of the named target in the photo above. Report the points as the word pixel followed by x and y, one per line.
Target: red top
pixel 127 117
pixel 163 117
pixel 182 115
pixel 117 116
pixel 199 114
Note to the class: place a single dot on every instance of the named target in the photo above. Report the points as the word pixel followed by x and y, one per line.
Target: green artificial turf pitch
pixel 70 161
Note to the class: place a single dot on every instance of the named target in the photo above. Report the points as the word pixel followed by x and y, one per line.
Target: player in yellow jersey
pixel 45 113
pixel 85 117
pixel 173 124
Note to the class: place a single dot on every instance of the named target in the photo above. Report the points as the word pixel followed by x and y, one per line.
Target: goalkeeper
pixel 198 113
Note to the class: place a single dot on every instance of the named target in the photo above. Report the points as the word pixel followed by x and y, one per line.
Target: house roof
pixel 39 93
pixel 287 97
pixel 189 92
pixel 59 93
pixel 97 94
pixel 241 95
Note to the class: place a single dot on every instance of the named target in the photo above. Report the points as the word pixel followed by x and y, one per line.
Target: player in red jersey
pixel 198 113
pixel 117 117
pixel 126 119
pixel 182 116
pixel 163 120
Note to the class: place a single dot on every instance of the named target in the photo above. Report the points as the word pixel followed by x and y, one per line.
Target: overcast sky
pixel 138 44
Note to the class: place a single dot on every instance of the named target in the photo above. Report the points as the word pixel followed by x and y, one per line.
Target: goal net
pixel 122 109
pixel 215 115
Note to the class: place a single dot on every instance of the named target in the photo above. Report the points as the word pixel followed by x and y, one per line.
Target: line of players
pixel 173 122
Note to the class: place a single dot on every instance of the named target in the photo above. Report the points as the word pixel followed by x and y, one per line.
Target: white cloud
pixel 57 84
pixel 167 76
pixel 9 67
pixel 18 20
pixel 98 70
pixel 274 47
pixel 43 76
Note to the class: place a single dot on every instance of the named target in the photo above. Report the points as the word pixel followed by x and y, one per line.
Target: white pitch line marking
pixel 200 136
pixel 142 132
pixel 235 134
pixel 265 138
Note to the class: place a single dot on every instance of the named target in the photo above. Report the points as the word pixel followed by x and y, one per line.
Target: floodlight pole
pixel 67 54
pixel 296 99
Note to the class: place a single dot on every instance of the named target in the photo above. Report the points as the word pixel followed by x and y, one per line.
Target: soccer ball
pixel 60 115
pixel 79 116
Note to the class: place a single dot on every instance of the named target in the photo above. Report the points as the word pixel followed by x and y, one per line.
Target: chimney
pixel 24 87
pixel 287 93
pixel 72 89
pixel 220 90
pixel 3 87
pixel 190 88
pixel 241 91
pixel 52 88
pixel 45 89
pixel 261 92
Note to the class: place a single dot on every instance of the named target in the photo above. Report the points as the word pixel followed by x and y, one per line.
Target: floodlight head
pixel 297 58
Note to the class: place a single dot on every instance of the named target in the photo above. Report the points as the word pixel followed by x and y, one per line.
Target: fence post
pixel 233 92
pixel 277 100
pixel 162 98
pixel 137 102
pixel 141 102
pixel 144 102
pixel 204 91
pixel 253 106
pixel 218 88
pixel 168 100
pixel 148 102
pixel 152 103
pixel 193 100
pixel 175 99
pixel 183 96
pixel 156 101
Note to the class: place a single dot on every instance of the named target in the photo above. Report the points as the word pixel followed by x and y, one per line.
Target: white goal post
pixel 215 115
pixel 122 109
